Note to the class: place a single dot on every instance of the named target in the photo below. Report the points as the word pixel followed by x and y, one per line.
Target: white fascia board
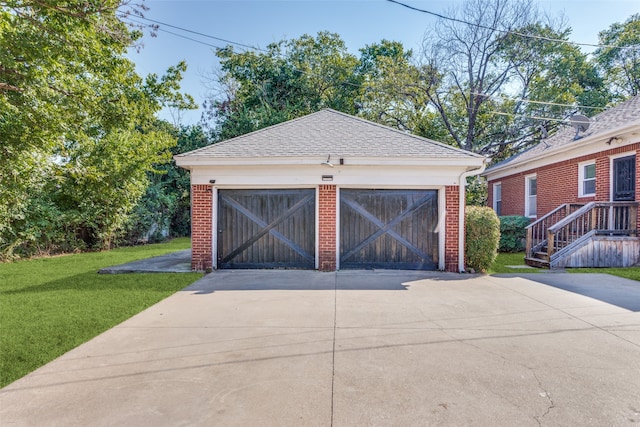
pixel 190 162
pixel 583 147
pixel 263 176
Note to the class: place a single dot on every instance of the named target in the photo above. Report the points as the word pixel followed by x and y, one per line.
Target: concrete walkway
pixel 175 262
pixel 299 348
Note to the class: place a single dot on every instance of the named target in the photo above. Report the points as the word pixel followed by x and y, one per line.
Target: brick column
pixel 638 187
pixel 603 179
pixel 327 227
pixel 201 226
pixel 452 199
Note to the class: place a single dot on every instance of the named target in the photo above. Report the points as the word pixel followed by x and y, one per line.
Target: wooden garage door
pixel 395 229
pixel 266 228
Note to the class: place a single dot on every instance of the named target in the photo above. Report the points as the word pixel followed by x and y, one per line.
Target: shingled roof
pixel 329 132
pixel 622 115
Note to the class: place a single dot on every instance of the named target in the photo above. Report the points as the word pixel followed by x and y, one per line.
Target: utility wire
pixel 203 34
pixel 307 72
pixel 551 119
pixel 175 34
pixel 547 102
pixel 531 36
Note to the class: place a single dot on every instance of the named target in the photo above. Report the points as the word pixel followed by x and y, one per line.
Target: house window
pixel 497 198
pixel 531 193
pixel 587 179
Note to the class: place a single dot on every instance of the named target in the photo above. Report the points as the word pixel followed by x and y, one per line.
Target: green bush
pixel 482 237
pixel 513 233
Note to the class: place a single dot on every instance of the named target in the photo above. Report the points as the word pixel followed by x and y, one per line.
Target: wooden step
pixel 536 262
pixel 544 256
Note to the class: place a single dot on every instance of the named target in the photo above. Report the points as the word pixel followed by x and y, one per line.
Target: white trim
pixel 214 227
pixel 581 178
pixel 317 231
pixel 589 145
pixel 527 188
pixel 337 227
pixel 297 176
pixel 493 203
pixel 611 177
pixel 442 227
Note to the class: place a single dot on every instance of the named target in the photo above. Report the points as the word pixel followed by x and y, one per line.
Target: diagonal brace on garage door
pixel 386 228
pixel 268 228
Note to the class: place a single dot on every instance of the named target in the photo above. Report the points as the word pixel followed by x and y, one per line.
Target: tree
pixel 477 74
pixel 288 79
pixel 164 210
pixel 620 59
pixel 77 121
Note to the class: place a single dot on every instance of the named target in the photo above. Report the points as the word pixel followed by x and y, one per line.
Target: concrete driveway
pixel 242 348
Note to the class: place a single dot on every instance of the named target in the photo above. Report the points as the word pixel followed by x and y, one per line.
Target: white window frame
pixel 582 179
pixel 527 197
pixel 495 199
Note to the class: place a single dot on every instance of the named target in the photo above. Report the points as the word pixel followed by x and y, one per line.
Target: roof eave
pixel 589 140
pixel 203 161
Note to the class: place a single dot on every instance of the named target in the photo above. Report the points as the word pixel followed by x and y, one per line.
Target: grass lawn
pixel 628 273
pixel 50 305
pixel 503 260
pixel 500 266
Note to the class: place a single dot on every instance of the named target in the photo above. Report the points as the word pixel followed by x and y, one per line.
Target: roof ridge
pixel 420 138
pixel 254 132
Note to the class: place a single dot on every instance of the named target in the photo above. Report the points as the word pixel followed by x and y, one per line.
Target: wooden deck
pixel 597 234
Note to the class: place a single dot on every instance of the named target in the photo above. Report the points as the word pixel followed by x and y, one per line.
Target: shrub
pixel 513 233
pixel 482 237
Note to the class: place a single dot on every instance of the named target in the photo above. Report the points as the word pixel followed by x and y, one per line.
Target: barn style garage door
pixel 266 228
pixel 395 229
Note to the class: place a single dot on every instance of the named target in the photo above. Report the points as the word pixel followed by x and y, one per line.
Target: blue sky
pixel 359 22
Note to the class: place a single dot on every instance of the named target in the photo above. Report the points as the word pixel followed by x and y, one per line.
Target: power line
pixel 176 34
pixel 551 119
pixel 546 102
pixel 531 36
pixel 529 101
pixel 204 35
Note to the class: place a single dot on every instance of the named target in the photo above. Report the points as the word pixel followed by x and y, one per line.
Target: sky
pixel 358 22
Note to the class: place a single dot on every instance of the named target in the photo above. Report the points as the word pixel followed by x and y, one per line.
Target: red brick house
pixel 328 191
pixel 581 189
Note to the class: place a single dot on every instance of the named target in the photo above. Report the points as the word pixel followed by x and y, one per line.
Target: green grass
pixel 628 273
pixel 501 262
pixel 51 305
pixel 504 259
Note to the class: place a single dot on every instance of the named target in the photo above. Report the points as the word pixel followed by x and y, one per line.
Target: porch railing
pixel 571 222
pixel 537 230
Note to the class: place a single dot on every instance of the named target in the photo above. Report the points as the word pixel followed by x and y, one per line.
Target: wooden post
pixel 550 243
pixel 529 242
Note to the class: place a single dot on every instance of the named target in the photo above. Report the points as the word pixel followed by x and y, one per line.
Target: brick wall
pixel 452 199
pixel 327 227
pixel 558 183
pixel 201 226
pixel 638 185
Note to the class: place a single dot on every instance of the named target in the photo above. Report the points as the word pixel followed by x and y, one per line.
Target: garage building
pixel 328 191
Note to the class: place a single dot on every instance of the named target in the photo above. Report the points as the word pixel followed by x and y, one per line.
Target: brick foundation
pixel 327 221
pixel 201 226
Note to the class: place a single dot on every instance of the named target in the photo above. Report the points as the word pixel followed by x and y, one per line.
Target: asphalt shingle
pixel 329 132
pixel 623 114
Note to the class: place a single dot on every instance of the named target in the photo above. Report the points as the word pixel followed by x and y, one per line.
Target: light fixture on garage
pixel 327 177
pixel 328 162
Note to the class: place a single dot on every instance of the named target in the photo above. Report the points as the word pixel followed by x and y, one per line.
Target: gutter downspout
pixel 462 183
